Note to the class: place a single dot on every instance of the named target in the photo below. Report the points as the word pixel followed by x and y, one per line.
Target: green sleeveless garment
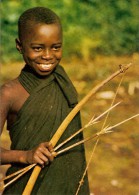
pixel 50 101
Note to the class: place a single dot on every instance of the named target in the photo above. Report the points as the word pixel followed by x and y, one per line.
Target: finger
pixel 50 146
pixel 44 159
pixel 45 151
pixel 38 160
pixel 48 154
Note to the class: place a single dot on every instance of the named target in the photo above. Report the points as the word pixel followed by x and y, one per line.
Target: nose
pixel 47 54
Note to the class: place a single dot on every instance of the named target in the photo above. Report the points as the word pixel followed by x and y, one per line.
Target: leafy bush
pixel 91 27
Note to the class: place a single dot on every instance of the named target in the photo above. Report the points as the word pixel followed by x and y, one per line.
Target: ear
pixel 18 45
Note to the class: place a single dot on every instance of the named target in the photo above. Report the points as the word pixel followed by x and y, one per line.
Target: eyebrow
pixel 43 44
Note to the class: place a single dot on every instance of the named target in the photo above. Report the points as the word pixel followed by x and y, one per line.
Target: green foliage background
pixel 91 27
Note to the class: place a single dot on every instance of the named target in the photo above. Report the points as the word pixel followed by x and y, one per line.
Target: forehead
pixel 35 30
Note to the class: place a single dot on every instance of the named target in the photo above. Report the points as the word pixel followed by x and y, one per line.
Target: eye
pixel 37 49
pixel 57 47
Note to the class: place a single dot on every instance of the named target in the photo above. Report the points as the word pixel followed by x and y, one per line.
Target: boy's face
pixel 41 47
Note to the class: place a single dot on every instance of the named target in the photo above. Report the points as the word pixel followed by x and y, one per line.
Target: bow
pixel 65 123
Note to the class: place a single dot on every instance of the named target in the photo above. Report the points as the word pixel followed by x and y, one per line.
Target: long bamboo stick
pixel 31 182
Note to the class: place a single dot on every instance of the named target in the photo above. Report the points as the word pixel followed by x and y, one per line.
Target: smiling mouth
pixel 45 67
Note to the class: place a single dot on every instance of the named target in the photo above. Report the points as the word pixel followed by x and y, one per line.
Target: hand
pixel 41 155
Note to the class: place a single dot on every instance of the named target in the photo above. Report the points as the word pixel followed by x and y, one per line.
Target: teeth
pixel 45 65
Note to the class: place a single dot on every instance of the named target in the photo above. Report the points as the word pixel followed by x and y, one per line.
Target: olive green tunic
pixel 51 99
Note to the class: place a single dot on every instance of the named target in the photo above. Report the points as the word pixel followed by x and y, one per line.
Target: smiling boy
pixel 36 103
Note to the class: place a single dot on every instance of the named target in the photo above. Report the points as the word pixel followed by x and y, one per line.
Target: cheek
pixel 31 55
pixel 59 55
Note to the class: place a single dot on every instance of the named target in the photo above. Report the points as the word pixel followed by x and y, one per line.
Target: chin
pixel 44 73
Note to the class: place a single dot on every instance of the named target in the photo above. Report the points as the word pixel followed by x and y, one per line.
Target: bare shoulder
pixel 7 99
pixel 13 94
pixel 12 97
pixel 8 89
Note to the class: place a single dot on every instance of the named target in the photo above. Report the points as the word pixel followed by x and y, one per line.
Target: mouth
pixel 45 67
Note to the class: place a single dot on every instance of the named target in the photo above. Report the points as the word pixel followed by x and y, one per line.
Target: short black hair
pixel 37 15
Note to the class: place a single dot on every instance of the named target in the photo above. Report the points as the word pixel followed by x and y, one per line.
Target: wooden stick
pixel 29 187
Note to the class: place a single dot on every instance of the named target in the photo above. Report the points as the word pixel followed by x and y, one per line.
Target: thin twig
pixel 82 179
pixel 102 132
pixel 105 130
pixel 21 172
pixel 87 166
pixel 111 127
pixel 77 143
pixel 83 141
pixel 91 122
pixel 17 172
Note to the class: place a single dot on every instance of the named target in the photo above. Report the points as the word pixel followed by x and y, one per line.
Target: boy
pixel 36 103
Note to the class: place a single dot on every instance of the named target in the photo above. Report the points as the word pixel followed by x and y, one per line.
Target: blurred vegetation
pixel 91 27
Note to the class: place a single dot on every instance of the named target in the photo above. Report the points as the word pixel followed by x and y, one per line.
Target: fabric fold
pixel 50 101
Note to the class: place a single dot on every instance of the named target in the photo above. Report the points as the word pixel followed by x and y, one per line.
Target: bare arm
pixel 39 155
pixel 42 154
